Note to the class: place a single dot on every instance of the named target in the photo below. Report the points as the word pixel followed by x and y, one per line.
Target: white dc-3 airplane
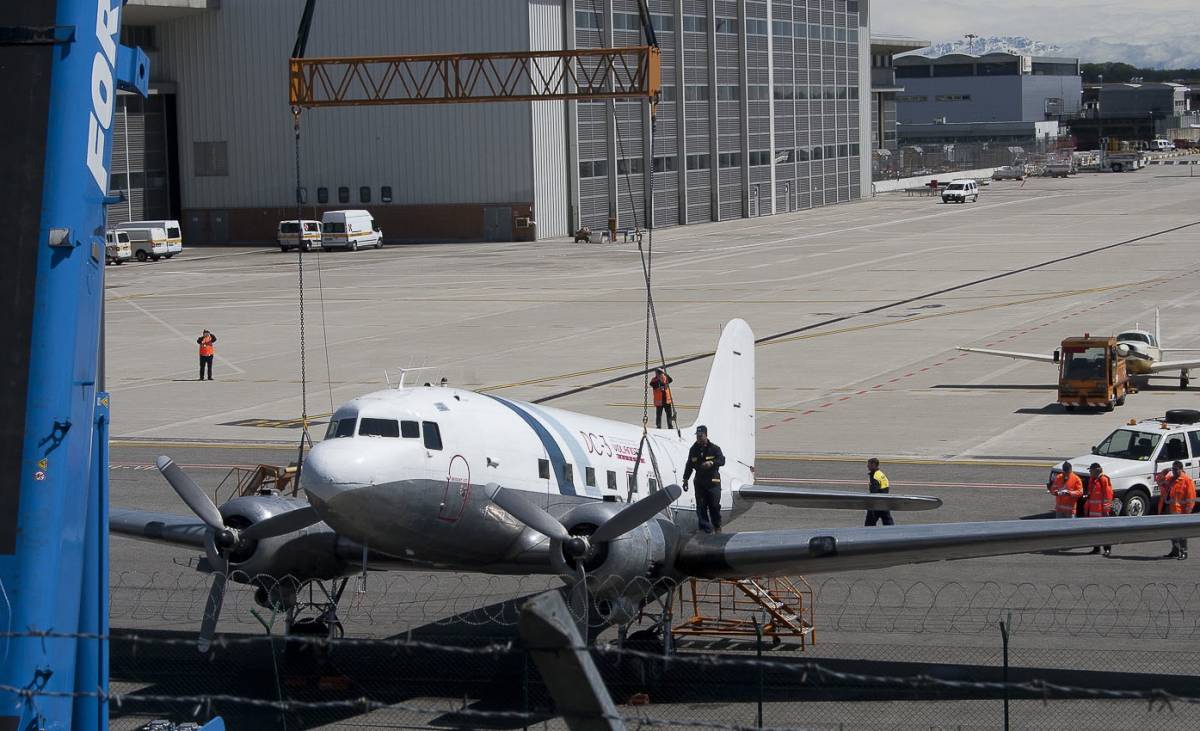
pixel 444 478
pixel 1140 348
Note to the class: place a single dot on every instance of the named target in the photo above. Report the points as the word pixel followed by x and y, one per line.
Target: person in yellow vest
pixel 878 483
pixel 206 342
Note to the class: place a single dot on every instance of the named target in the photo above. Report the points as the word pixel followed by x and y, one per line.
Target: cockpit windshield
pixel 1134 337
pixel 1129 444
pixel 343 427
pixel 379 428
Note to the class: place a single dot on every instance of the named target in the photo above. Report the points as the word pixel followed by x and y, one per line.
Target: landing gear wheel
pixel 1183 382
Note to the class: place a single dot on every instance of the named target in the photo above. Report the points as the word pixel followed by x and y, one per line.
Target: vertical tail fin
pixel 727 408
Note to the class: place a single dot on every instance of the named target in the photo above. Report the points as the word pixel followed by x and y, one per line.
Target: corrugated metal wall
pixel 551 199
pixel 230 66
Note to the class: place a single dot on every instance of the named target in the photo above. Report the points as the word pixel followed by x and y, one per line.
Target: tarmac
pixel 858 308
pixel 899 283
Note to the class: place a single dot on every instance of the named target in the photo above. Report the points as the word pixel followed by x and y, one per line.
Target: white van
pixel 153 239
pixel 351 230
pixel 289 231
pixel 1161 145
pixel 117 249
pixel 959 191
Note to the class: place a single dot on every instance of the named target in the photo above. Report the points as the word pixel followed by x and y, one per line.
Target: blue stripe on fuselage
pixel 557 461
pixel 571 442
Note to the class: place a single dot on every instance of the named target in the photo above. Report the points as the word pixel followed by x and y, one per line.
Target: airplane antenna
pixel 387 378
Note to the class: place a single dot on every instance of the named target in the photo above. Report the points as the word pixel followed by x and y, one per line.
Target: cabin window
pixel 410 429
pixel 568 474
pixel 589 476
pixel 612 480
pixel 433 435
pixel 653 485
pixel 544 469
pixel 632 481
pixel 379 428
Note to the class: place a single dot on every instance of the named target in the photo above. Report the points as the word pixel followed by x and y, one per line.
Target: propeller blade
pixel 216 592
pixel 579 599
pixel 191 493
pixel 212 610
pixel 278 525
pixel 636 514
pixel 531 515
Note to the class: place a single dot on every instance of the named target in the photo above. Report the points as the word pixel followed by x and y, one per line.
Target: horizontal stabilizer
pixel 799 497
pixel 1011 354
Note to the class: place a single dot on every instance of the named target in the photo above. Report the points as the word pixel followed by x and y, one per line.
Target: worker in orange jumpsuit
pixel 661 383
pixel 1099 502
pixel 1066 488
pixel 1177 496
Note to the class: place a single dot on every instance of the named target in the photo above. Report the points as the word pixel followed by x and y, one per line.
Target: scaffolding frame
pixel 730 608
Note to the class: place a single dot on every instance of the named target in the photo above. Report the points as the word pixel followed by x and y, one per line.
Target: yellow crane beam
pixel 452 78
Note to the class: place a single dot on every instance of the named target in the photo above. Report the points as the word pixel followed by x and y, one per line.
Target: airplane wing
pixel 793 551
pixel 800 497
pixel 1174 365
pixel 157 527
pixel 1010 354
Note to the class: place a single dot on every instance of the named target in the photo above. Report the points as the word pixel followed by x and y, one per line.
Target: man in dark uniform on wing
pixel 706 460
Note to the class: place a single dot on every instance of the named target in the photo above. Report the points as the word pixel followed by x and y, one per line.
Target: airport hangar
pixel 765 109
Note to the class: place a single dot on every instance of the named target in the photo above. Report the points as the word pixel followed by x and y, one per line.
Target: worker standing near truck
pixel 1067 488
pixel 1177 496
pixel 1099 503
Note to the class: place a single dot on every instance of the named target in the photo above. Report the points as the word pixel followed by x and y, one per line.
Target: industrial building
pixel 996 87
pixel 1137 111
pixel 763 110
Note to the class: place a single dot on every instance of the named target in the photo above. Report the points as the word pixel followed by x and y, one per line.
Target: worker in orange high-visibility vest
pixel 1066 488
pixel 1099 502
pixel 206 341
pixel 1177 496
pixel 661 384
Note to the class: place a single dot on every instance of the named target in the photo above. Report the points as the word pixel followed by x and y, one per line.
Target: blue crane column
pixel 60 67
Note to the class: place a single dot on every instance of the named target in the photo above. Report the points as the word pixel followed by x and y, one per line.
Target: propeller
pixel 223 539
pixel 580 547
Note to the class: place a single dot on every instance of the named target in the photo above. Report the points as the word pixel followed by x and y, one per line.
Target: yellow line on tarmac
pixel 909 460
pixel 836 331
pixel 168 444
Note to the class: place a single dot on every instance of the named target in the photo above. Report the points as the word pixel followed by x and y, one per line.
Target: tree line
pixel 1117 73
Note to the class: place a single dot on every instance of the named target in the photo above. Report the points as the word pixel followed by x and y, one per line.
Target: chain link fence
pixel 442 651
pixel 933 159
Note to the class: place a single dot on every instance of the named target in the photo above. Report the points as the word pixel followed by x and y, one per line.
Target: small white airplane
pixel 430 477
pixel 1140 348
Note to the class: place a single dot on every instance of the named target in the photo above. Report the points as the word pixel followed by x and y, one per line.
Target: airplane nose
pixel 335 467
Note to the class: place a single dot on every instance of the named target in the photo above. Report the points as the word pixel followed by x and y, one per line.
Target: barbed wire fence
pixel 891 655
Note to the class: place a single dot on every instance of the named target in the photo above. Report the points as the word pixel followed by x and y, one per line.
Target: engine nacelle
pixel 621 572
pixel 299 556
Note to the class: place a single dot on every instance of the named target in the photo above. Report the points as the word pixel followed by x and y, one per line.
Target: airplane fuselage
pixel 404 472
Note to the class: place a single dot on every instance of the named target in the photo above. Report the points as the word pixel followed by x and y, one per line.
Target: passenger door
pixel 458 490
pixel 1192 465
pixel 1174 447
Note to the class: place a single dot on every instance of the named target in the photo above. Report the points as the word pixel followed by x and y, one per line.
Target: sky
pixel 1146 33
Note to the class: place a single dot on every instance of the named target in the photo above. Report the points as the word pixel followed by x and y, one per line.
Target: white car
pixel 1134 453
pixel 960 191
pixel 1009 172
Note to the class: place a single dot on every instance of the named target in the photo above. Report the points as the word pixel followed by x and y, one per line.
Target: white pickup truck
pixel 1134 453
